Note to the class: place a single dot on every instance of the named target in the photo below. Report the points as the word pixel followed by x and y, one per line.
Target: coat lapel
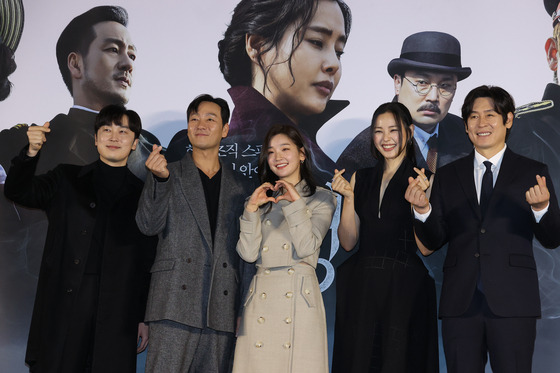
pixel 465 173
pixel 225 219
pixel 505 177
pixel 191 187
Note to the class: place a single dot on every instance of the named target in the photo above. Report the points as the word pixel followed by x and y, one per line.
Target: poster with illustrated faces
pixel 168 54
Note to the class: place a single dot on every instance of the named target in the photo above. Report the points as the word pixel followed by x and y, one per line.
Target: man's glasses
pixel 423 88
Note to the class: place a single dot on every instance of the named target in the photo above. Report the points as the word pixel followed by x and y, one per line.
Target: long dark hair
pixel 305 172
pixel 269 19
pixel 404 119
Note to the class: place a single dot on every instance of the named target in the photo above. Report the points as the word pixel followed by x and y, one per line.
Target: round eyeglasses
pixel 423 88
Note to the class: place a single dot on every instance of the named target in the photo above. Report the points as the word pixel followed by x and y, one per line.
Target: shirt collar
pixel 85 109
pixel 422 136
pixel 496 160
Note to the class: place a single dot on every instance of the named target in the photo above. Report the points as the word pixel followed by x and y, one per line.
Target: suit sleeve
pixel 433 232
pixel 250 235
pixel 23 187
pixel 309 226
pixel 153 205
pixel 547 231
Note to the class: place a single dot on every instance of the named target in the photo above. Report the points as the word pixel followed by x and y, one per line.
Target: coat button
pixel 267 271
pixel 285 246
pixel 224 265
pixel 265 249
pixel 251 290
pixel 288 320
pixel 307 291
pixel 69 290
pixel 260 320
pixel 291 271
pixel 267 222
pixel 83 232
pixel 76 261
pixel 483 230
pixel 258 344
pixel 287 345
pixel 184 287
pixel 189 260
pixel 225 292
pixel 92 205
pixel 263 296
pixel 476 255
pixel 289 294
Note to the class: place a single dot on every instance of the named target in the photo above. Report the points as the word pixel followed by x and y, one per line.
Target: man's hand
pixel 157 164
pixel 36 137
pixel 142 339
pixel 538 196
pixel 416 195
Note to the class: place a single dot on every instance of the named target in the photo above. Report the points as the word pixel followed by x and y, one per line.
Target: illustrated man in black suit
pixel 96 57
pixel 425 77
pixel 488 205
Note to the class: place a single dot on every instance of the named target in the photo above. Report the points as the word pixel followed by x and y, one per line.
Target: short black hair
pixel 402 116
pixel 224 107
pixel 113 114
pixel 79 34
pixel 503 102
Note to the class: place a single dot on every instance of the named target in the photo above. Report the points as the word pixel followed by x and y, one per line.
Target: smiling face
pixel 105 75
pixel 387 137
pixel 315 65
pixel 486 128
pixel 115 142
pixel 427 111
pixel 284 158
pixel 205 128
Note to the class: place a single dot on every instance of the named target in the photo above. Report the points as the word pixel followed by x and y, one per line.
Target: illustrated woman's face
pixel 387 137
pixel 315 65
pixel 284 158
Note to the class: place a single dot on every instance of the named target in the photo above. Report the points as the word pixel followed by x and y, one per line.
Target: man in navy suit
pixel 488 206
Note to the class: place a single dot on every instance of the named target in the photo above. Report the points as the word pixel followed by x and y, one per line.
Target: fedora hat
pixel 11 23
pixel 430 50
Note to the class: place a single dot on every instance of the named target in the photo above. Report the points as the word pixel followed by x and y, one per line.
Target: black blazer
pixel 498 246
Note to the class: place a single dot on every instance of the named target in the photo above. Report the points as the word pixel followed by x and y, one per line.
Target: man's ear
pixel 551 49
pixel 253 44
pixel 397 80
pixel 95 138
pixel 75 65
pixel 509 121
pixel 134 144
pixel 225 130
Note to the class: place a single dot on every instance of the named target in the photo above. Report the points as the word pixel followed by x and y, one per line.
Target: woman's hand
pixel 422 179
pixel 259 197
pixel 341 185
pixel 289 192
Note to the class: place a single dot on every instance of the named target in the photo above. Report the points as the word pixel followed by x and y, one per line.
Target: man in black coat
pixel 488 205
pixel 94 276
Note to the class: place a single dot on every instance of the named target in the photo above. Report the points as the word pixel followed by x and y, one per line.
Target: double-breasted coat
pixel 283 328
pixel 68 196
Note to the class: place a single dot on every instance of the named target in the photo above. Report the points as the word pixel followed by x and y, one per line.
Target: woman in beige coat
pixel 283 327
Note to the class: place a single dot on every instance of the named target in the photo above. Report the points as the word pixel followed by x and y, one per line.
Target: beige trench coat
pixel 283 328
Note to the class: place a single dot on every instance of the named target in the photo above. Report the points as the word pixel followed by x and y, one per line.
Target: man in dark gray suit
pixel 194 205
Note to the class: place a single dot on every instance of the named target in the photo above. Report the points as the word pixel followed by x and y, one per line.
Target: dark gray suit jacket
pixel 195 279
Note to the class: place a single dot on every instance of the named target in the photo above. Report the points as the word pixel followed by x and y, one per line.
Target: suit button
pixel 483 230
pixel 225 292
pixel 92 205
pixel 225 265
pixel 184 287
pixel 69 291
pixel 76 261
pixel 189 260
pixel 265 249
pixel 476 255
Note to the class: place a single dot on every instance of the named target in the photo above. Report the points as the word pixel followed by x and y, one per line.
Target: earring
pixel 302 161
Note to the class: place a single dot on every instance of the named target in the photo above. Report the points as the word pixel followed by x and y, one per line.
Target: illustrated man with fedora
pixel 535 135
pixel 425 78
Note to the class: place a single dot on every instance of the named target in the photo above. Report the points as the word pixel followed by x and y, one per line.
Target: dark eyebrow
pixel 327 32
pixel 119 42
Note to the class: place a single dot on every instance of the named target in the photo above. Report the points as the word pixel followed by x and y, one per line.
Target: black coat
pixel 69 199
